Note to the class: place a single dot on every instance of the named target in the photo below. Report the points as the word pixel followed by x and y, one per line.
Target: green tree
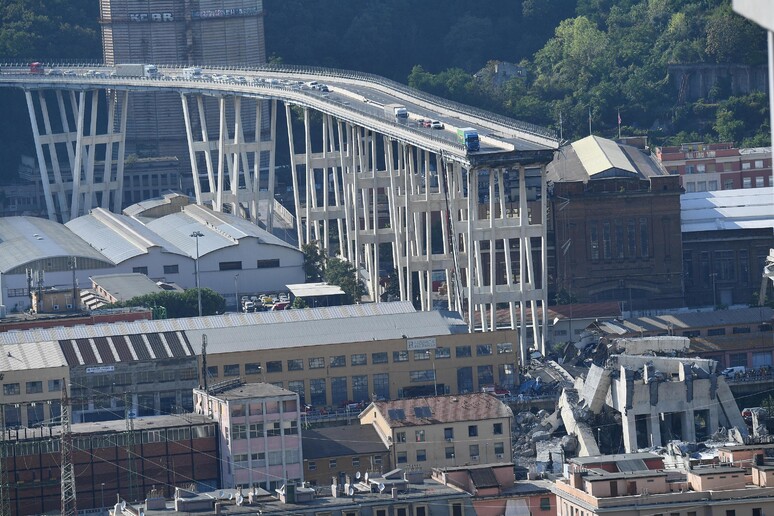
pixel 345 275
pixel 299 303
pixel 178 304
pixel 314 262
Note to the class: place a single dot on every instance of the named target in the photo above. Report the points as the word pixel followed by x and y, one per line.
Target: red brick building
pixel 706 167
pixel 614 223
pixel 168 451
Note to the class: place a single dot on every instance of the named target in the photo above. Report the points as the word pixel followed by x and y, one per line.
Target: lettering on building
pixel 151 17
pixel 224 13
pixel 420 344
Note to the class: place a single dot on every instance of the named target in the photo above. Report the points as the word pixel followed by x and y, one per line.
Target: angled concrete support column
pixel 629 432
pixel 69 195
pixel 233 160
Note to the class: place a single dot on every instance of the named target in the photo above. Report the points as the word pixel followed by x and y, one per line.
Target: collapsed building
pixel 644 393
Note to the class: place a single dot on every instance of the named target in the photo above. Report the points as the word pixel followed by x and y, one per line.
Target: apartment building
pixel 628 487
pixel 260 433
pixel 435 432
pixel 706 167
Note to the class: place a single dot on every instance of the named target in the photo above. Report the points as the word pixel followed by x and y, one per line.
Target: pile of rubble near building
pixel 637 394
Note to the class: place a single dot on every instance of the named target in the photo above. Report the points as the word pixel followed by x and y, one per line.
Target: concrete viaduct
pixel 475 219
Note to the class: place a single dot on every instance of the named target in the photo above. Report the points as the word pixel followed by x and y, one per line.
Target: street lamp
pixel 196 235
pixel 236 291
pixel 102 491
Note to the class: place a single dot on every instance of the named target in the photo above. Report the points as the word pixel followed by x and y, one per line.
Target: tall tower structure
pixel 178 32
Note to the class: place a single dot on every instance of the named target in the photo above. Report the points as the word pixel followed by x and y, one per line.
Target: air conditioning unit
pixel 474 457
pixel 500 455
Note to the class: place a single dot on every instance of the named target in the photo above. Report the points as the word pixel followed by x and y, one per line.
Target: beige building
pixel 719 490
pixel 32 377
pixel 435 432
pixel 337 356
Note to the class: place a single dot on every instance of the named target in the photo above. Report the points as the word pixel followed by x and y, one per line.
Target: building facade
pixel 615 227
pixel 706 167
pixel 260 433
pixel 161 452
pixel 439 431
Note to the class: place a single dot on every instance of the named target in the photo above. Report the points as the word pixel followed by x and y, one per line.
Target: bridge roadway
pixel 354 97
pixel 371 181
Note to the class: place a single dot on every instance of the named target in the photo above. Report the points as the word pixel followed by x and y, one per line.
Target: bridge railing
pixel 316 71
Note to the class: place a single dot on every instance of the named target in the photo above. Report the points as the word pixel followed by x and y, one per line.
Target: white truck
pixel 192 72
pixel 130 70
pixel 397 110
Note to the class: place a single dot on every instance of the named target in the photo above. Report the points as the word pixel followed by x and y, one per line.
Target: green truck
pixel 468 136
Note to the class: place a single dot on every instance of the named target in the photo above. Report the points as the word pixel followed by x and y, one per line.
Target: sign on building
pixel 420 344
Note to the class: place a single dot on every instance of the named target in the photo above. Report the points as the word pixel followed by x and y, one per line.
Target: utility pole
pixel 5 488
pixel 130 444
pixel 69 507
pixel 197 235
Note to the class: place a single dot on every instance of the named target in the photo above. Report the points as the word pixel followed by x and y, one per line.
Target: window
pixel 54 385
pixel 759 182
pixel 316 363
pixel 273 429
pixel 758 163
pixel 290 427
pixel 422 354
pixel 400 437
pixel 421 455
pixel 339 361
pixel 473 450
pixel 448 433
pixel 499 448
pixel 402 457
pixel 267 264
pixel 730 512
pixel 296 364
pixel 400 356
pixel 449 452
pixel 238 432
pixel 632 238
pixel 424 375
pixel 497 428
pixel 757 511
pixel 311 465
pixel 212 371
pixel 746 182
pixel 713 332
pixel 230 266
pixel 332 464
pixel 34 387
pixel 377 460
pixel 318 391
pixel 545 503
pixel 594 241
pixel 745 165
pixel 483 350
pixel 379 358
pixel 724 265
pixel 472 430
pixel 740 329
pixel 737 359
pixel 339 390
pixel 360 388
pixel 358 359
pixel 442 353
pixel 606 245
pixel 382 385
pixel 712 185
pixel 256 430
pixel 253 368
pixel 728 184
pixel 619 240
pixel 420 436
pixel 231 370
pixel 644 240
pixel 171 269
pixel 744 267
pixel 456 509
pixel 462 351
pixel 140 270
pixel 355 462
pixel 274 366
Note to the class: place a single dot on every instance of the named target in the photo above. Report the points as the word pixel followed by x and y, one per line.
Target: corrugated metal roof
pixel 680 321
pixel 229 320
pixel 118 237
pixel 27 239
pixel 601 155
pixel 314 289
pixel 749 208
pixel 321 332
pixel 38 355
pixel 124 348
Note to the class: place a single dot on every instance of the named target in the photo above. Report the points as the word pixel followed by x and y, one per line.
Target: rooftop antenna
pixel 69 507
pixel 204 360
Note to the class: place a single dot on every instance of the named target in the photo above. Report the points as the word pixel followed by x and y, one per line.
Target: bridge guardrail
pixel 482 114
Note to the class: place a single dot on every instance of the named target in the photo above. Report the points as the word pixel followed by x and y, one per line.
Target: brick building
pixel 706 167
pixel 614 223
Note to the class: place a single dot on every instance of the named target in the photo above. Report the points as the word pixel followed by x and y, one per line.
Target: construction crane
pixel 69 507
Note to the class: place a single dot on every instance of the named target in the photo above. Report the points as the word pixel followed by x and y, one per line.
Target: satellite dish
pixel 357 476
pixel 381 487
pixel 231 496
pixel 222 494
pixel 351 491
pixel 240 499
pixel 123 504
